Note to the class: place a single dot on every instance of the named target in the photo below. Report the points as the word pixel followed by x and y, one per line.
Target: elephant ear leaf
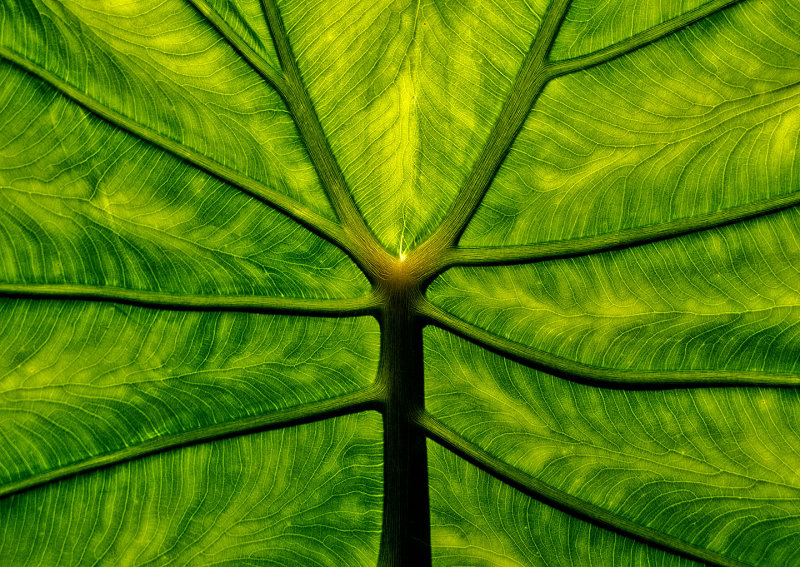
pixel 399 283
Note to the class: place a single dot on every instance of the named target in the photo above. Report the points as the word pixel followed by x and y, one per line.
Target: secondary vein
pixel 271 75
pixel 188 302
pixel 639 40
pixel 364 245
pixel 624 239
pixel 527 86
pixel 568 503
pixel 599 376
pixel 361 401
pixel 316 223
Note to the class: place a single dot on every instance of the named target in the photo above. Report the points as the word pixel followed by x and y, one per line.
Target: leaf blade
pixel 713 468
pixel 721 300
pixel 525 531
pixel 684 115
pixel 100 207
pixel 167 69
pixel 101 378
pixel 407 94
pixel 139 517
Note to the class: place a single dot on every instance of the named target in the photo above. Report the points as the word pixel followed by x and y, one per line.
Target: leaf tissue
pixel 400 283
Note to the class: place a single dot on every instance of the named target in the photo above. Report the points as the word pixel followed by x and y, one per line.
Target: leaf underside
pixel 316 283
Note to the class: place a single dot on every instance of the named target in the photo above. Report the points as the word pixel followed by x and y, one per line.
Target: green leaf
pixel 709 301
pixel 717 468
pixel 294 282
pixel 308 495
pixel 656 136
pixel 478 520
pixel 408 93
pixel 85 379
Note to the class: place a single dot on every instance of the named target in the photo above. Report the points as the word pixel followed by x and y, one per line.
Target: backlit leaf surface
pixel 300 283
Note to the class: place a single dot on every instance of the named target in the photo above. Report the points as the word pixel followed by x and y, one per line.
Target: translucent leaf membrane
pixel 477 520
pixel 407 92
pixel 698 122
pixel 303 496
pixel 728 298
pixel 164 66
pixel 713 467
pixel 78 380
pixel 81 202
pixel 591 25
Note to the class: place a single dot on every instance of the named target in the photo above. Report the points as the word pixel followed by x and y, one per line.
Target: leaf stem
pixel 622 379
pixel 179 302
pixel 406 537
pixel 563 501
pixel 367 399
pixel 528 253
pixel 638 40
pixel 314 222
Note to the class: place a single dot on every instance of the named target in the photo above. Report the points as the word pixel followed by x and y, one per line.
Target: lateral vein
pixel 639 40
pixel 622 379
pixel 352 403
pixel 319 150
pixel 527 87
pixel 563 501
pixel 272 76
pixel 288 206
pixel 172 301
pixel 529 253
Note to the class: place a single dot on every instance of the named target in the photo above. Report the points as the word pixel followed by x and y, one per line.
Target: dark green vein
pixel 526 88
pixel 317 224
pixel 361 401
pixel 598 376
pixel 273 77
pixel 365 246
pixel 624 239
pixel 568 503
pixel 639 40
pixel 178 302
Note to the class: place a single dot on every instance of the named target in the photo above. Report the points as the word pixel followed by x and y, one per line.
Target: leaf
pixel 287 282
pixel 479 520
pixel 276 508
